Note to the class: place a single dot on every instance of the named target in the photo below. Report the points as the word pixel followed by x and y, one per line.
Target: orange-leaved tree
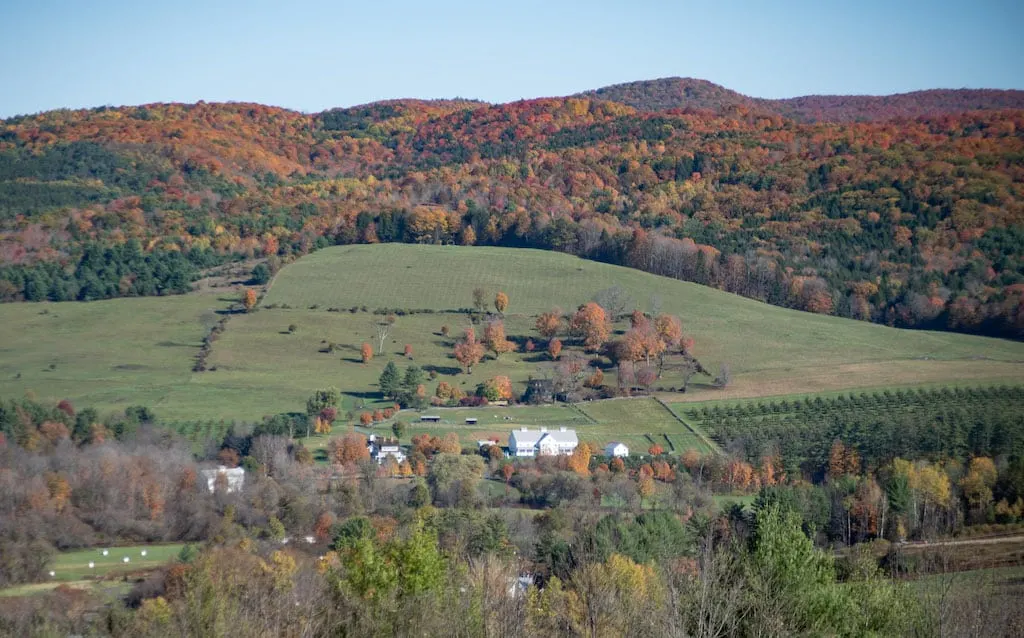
pixel 367 352
pixel 549 323
pixel 554 348
pixel 469 351
pixel 249 299
pixel 579 460
pixel 494 337
pixel 591 323
pixel 348 449
pixel 501 302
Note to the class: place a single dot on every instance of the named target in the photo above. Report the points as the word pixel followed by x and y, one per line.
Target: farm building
pixel 525 442
pixel 615 449
pixel 382 447
pixel 234 478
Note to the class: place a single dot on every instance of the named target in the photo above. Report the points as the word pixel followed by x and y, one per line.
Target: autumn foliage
pixel 469 351
pixel 591 323
pixel 554 348
pixel 348 449
pixel 549 323
pixel 501 302
pixel 249 299
pixel 494 337
pixel 933 193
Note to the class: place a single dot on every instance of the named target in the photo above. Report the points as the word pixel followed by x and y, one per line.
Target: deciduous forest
pixel 906 210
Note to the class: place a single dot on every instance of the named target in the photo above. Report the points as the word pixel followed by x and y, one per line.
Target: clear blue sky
pixel 315 54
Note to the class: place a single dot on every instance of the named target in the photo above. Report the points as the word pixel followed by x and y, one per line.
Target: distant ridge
pixel 689 93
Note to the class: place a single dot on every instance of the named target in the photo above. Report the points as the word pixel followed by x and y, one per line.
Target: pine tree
pixel 390 382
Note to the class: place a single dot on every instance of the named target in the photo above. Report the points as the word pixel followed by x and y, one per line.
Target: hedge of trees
pixel 105 272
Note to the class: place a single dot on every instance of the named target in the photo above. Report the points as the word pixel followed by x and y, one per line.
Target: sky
pixel 310 55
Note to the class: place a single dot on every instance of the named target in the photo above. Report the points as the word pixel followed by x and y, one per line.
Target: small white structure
pixel 381 448
pixel 125 559
pixel 52 574
pixel 105 552
pixel 518 586
pixel 525 442
pixel 616 449
pixel 310 539
pixel 92 565
pixel 143 552
pixel 235 477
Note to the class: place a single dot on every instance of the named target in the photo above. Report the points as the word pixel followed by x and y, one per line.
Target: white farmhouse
pixel 234 478
pixel 526 442
pixel 382 447
pixel 616 449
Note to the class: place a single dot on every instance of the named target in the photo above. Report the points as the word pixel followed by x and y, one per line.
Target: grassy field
pixel 74 565
pixel 104 354
pixel 111 354
pixel 72 568
pixel 639 423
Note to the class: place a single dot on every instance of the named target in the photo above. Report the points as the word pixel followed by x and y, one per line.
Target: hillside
pixel 111 354
pixel 912 223
pixel 689 93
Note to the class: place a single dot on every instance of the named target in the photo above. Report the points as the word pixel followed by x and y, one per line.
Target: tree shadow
pixel 537 357
pixel 445 370
pixel 357 394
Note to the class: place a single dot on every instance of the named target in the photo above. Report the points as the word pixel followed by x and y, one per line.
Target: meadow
pixel 111 354
pixel 72 567
pixel 639 423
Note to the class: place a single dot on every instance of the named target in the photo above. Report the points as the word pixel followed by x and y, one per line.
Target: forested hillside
pixel 688 93
pixel 912 222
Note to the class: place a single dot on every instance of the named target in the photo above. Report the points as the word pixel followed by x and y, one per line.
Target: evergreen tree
pixel 389 382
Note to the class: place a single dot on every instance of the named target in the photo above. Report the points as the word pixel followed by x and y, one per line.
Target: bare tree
pixel 382 329
pixel 615 300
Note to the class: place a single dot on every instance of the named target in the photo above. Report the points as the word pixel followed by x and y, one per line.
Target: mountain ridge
pixel 663 94
pixel 680 93
pixel 915 222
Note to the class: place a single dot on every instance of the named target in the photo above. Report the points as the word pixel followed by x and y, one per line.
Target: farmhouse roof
pixel 561 435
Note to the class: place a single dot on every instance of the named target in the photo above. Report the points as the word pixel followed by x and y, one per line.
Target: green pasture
pixel 74 565
pixel 639 423
pixel 116 353
pixel 104 354
pixel 71 568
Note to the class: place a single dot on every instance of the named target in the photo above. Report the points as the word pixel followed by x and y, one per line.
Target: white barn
pixel 525 442
pixel 616 449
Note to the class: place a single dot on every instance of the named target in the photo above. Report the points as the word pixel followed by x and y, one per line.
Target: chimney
pixel 524 429
pixel 543 429
pixel 561 429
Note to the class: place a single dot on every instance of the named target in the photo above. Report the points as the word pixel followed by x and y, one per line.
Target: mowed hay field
pixel 103 354
pixel 72 567
pixel 111 354
pixel 771 350
pixel 639 423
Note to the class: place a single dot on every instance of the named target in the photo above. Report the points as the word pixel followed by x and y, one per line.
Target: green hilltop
pixel 115 353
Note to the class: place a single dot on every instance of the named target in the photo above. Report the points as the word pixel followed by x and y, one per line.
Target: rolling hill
pixel 111 354
pixel 912 223
pixel 689 93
